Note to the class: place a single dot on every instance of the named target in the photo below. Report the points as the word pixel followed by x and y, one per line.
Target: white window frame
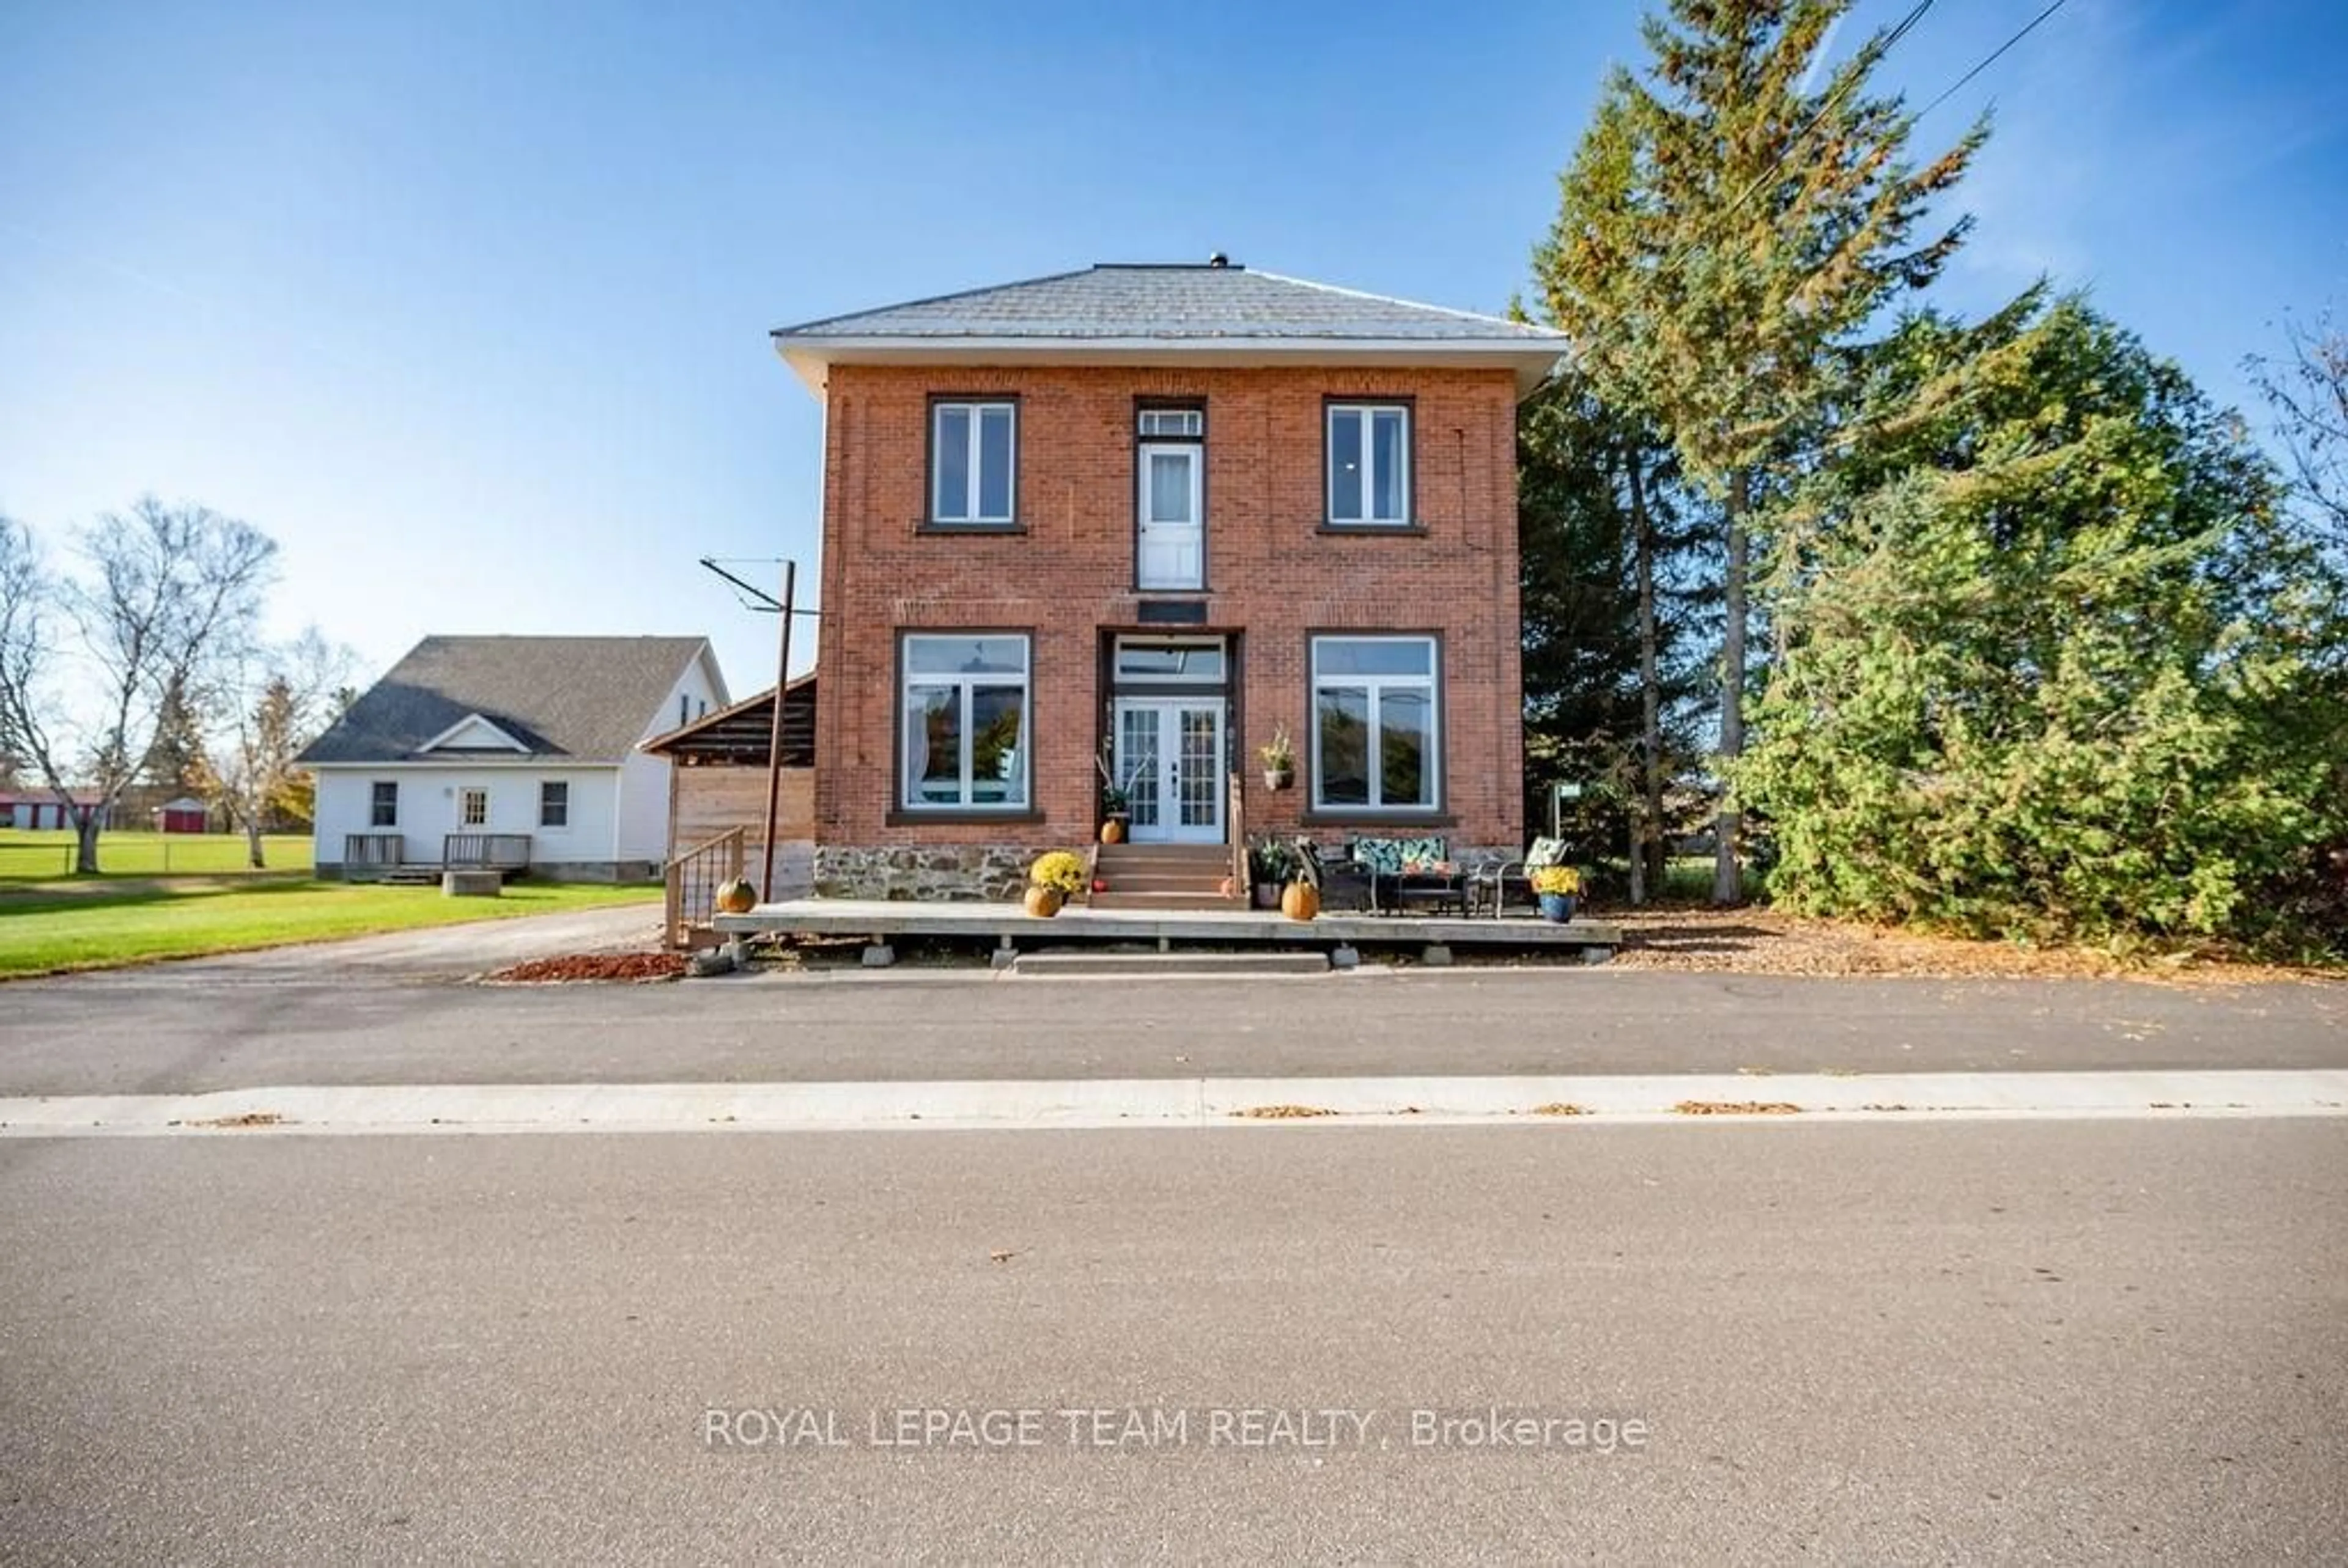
pixel 1121 676
pixel 1375 686
pixel 967 515
pixel 465 796
pixel 1171 423
pixel 909 798
pixel 374 803
pixel 563 785
pixel 1364 413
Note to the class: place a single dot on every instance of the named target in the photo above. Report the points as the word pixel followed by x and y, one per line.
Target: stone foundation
pixel 922 872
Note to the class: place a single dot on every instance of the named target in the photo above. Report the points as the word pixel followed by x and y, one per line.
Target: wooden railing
pixel 692 879
pixel 370 851
pixel 485 852
pixel 1238 826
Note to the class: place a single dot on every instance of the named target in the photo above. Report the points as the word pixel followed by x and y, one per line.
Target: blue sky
pixel 465 303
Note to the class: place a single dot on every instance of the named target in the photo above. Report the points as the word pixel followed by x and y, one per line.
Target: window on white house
pixel 472 807
pixel 1369 464
pixel 962 712
pixel 383 804
pixel 974 455
pixel 554 803
pixel 1376 735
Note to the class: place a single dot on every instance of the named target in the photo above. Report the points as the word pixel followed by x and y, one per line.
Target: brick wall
pixel 1271 576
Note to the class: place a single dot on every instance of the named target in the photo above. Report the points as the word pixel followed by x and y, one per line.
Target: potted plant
pixel 1268 864
pixel 1117 799
pixel 1055 877
pixel 1279 758
pixel 1556 888
pixel 1302 900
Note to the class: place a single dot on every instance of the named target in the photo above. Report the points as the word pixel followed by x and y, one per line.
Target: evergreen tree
pixel 2055 662
pixel 1724 228
pixel 1608 617
pixel 174 762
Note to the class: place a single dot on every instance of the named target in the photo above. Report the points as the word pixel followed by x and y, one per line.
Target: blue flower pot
pixel 1558 907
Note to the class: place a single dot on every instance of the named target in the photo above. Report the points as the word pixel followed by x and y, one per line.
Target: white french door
pixel 1171 549
pixel 1171 749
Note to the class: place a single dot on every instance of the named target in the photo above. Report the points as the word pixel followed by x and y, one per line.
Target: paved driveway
pixel 437 952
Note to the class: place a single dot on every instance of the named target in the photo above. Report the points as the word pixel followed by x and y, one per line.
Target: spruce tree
pixel 1726 226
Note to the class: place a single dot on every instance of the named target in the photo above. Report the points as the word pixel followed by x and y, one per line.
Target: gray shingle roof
pixel 583 699
pixel 1175 304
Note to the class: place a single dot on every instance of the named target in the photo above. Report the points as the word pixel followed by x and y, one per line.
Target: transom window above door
pixel 973 462
pixel 1172 424
pixel 1369 464
pixel 1193 661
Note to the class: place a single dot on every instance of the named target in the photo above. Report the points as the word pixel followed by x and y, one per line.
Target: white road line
pixel 1736 1100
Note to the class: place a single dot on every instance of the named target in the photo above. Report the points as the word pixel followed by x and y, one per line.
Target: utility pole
pixel 775 736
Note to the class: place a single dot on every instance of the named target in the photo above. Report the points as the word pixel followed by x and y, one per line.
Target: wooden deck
pixel 1009 925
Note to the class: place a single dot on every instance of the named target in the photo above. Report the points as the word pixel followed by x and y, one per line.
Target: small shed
pixel 182 815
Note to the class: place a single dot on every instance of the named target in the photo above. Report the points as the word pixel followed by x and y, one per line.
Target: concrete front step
pixel 1077 964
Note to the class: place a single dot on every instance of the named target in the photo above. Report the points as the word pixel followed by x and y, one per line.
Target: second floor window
pixel 1369 464
pixel 974 459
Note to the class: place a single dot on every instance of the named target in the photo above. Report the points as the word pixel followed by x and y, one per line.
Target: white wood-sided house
pixel 519 753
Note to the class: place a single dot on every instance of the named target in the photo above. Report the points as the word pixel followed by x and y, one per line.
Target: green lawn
pixel 41 856
pixel 87 924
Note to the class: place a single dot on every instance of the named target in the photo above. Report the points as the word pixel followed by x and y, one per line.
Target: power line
pixel 1991 58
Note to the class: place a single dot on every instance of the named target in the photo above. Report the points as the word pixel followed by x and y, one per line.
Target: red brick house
pixel 1151 514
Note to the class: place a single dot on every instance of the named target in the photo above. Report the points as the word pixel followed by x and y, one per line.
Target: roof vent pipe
pixel 1218 260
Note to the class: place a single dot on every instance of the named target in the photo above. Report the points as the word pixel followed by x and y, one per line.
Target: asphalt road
pixel 187 1027
pixel 2017 1342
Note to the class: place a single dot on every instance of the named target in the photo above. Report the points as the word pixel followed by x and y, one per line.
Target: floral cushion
pixel 1545 852
pixel 1389 856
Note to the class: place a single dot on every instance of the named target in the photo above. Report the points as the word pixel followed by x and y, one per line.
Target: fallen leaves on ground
pixel 243 1119
pixel 1737 1108
pixel 1282 1112
pixel 1766 941
pixel 635 967
pixel 1559 1108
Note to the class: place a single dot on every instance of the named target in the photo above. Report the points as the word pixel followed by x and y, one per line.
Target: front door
pixel 1171 552
pixel 1171 750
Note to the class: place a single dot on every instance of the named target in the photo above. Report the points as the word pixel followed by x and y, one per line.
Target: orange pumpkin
pixel 1042 902
pixel 736 897
pixel 1301 902
pixel 1112 830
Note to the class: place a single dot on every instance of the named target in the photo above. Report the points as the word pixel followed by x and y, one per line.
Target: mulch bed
pixel 623 967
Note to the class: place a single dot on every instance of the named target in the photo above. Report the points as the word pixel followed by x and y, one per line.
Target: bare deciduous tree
pixel 2308 394
pixel 27 653
pixel 169 590
pixel 268 703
